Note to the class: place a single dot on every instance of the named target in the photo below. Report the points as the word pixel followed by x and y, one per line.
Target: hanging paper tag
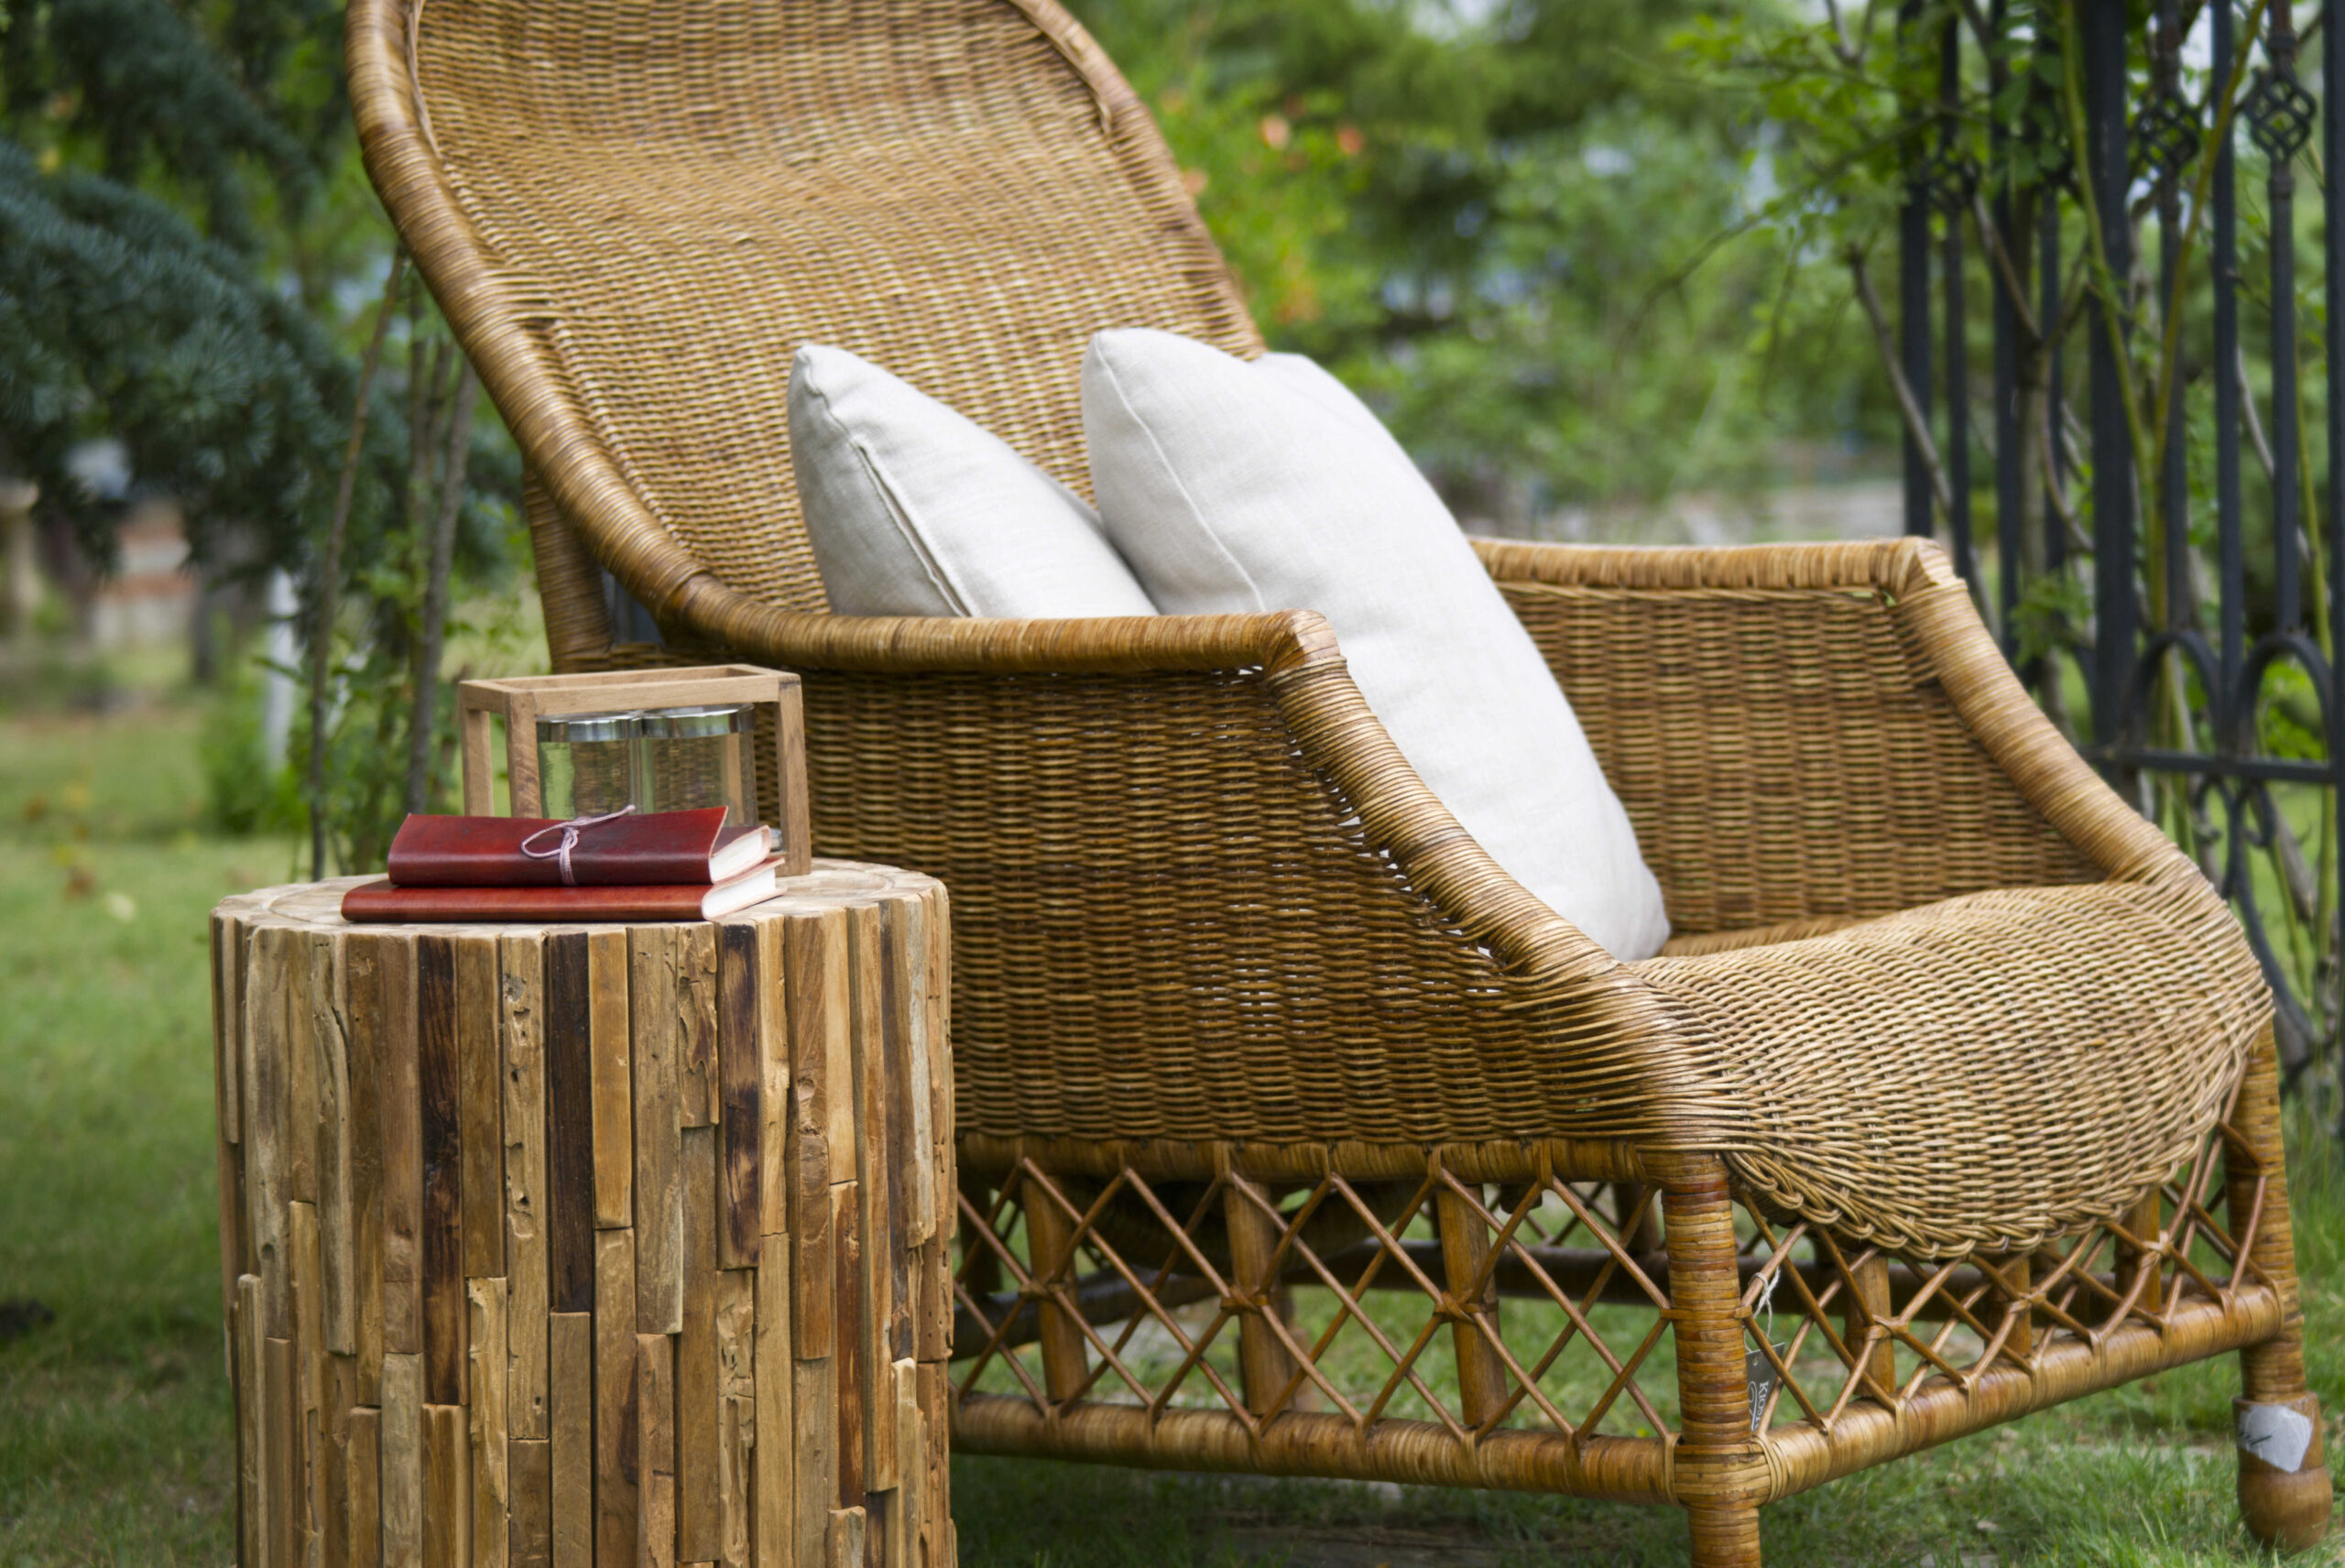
pixel 2275 1435
pixel 1759 1375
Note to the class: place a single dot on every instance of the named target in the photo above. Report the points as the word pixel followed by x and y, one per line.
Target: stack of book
pixel 660 865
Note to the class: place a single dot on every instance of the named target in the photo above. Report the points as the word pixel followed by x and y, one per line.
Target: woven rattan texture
pixel 1168 925
pixel 1786 754
pixel 1854 1112
pixel 677 204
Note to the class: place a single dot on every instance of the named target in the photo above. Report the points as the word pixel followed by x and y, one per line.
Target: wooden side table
pixel 582 1245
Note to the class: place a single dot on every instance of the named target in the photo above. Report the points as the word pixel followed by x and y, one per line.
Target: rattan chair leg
pixel 1264 1365
pixel 2284 1485
pixel 1719 1476
pixel 1465 1254
pixel 1050 1239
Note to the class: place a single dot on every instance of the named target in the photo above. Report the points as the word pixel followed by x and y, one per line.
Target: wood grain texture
pixel 402 1473
pixel 227 1095
pixel 938 920
pixel 300 1149
pixel 285 1501
pixel 485 1428
pixel 699 1407
pixel 370 977
pixel 817 976
pixel 655 1461
pixel 252 1476
pixel 447 1488
pixel 758 1365
pixel 936 1391
pixel 616 1415
pixel 439 1130
pixel 700 1090
pixel 846 1538
pixel 904 1511
pixel 742 1399
pixel 850 1359
pixel 741 1174
pixel 529 1471
pixel 885 1316
pixel 337 1148
pixel 452 1043
pixel 400 1106
pixel 480 1070
pixel 365 1478
pixel 268 1129
pixel 793 816
pixel 911 1133
pixel 521 1011
pixel 613 1079
pixel 658 1117
pixel 309 1428
pixel 814 1413
pixel 570 1363
pixel 776 1088
pixel 336 1401
pixel 570 1125
pixel 227 1010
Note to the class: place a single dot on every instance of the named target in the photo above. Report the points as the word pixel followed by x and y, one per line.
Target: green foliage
pixel 118 319
pixel 243 792
pixel 1490 220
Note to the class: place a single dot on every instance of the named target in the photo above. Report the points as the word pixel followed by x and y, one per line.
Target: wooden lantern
pixel 521 700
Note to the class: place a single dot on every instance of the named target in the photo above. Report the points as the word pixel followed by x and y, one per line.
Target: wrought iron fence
pixel 2164 564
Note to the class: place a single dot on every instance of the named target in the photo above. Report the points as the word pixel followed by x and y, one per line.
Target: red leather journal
pixel 377 903
pixel 630 851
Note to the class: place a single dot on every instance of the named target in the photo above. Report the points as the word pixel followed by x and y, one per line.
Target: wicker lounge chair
pixel 1295 1136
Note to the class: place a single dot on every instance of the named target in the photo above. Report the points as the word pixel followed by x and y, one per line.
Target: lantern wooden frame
pixel 521 700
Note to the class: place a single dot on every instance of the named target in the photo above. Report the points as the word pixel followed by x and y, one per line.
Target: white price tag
pixel 2275 1435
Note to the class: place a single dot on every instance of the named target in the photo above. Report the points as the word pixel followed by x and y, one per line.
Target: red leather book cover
pixel 632 851
pixel 376 903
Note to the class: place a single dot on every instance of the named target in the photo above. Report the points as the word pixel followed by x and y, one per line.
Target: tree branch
pixel 432 634
pixel 1908 406
pixel 327 590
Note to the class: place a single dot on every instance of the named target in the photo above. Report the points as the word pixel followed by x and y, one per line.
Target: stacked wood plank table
pixel 592 1245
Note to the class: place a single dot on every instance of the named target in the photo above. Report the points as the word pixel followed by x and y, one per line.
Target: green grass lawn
pixel 114 1438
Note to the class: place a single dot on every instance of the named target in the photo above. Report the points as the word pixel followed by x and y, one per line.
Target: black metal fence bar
pixel 2178 717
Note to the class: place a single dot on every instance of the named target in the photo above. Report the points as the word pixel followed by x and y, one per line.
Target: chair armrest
pixel 1810 731
pixel 1198 894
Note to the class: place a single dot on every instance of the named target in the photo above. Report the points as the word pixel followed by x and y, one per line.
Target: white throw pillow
pixel 914 510
pixel 1232 486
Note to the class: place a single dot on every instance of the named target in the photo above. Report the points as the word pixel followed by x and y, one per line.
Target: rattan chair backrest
pixel 645 210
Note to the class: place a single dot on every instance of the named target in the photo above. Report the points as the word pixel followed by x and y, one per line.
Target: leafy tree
pixel 148 155
pixel 189 250
pixel 1489 219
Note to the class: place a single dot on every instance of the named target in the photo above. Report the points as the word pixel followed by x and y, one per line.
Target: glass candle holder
pixel 690 758
pixel 586 763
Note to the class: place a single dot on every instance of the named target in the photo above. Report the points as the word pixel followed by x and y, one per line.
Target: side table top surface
pixel 832 884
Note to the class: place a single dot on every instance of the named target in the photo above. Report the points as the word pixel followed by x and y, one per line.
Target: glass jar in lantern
pixel 587 763
pixel 690 758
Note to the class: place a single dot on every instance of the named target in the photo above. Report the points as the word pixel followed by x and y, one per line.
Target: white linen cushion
pixel 914 510
pixel 1232 486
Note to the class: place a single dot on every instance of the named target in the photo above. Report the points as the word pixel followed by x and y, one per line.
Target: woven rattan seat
pixel 1950 1039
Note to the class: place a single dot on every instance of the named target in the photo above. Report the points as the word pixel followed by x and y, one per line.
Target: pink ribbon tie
pixel 570 831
